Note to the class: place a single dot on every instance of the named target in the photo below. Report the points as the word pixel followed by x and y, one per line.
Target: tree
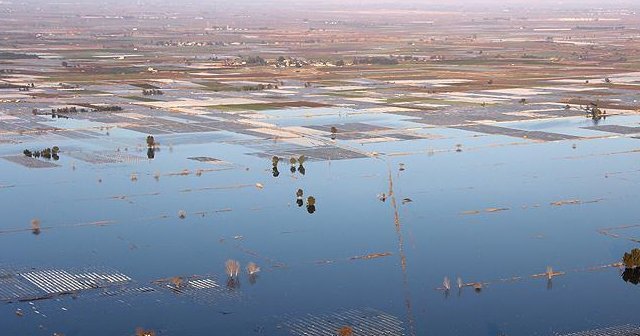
pixel 151 141
pixel 631 259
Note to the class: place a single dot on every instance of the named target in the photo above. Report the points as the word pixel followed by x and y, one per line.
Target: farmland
pixel 318 169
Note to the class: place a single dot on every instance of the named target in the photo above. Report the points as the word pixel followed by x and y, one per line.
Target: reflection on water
pixel 274 162
pixel 631 275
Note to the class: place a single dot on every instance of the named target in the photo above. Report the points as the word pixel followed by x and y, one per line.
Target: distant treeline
pixel 15 86
pixel 62 111
pixel 375 60
pixel 11 56
pixel 259 87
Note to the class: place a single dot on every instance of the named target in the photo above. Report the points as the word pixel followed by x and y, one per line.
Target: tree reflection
pixel 274 169
pixel 631 275
pixel 252 270
pixel 151 153
pixel 253 278
pixel 301 161
pixel 233 283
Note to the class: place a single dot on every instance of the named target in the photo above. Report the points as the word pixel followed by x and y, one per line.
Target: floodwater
pixel 484 213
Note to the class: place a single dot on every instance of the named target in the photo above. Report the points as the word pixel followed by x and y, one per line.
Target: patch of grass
pixel 216 87
pixel 265 106
pixel 395 100
pixel 142 99
pixel 145 86
pixel 347 94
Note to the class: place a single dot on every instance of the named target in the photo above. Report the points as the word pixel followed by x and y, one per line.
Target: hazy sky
pixel 389 3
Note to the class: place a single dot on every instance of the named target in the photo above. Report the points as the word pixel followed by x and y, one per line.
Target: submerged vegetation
pixel 252 268
pixel 35 226
pixel 232 268
pixel 345 331
pixel 177 282
pixel 145 332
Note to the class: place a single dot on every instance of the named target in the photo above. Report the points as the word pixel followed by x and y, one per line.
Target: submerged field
pixel 412 177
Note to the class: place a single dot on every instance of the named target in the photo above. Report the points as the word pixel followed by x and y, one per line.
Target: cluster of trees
pixel 107 108
pixel 254 60
pixel 13 56
pixel 311 201
pixel 47 153
pixel 152 92
pixel 631 259
pixel 67 110
pixel 26 87
pixel 594 112
pixel 172 43
pixel 293 161
pixel 73 109
pixel 259 87
pixel 283 61
pixel 375 60
pixel 288 62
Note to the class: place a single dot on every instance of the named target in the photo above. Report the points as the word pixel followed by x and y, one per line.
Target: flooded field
pixel 158 190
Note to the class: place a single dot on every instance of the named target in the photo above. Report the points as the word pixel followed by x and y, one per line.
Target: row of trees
pixel 47 153
pixel 259 87
pixel 152 92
